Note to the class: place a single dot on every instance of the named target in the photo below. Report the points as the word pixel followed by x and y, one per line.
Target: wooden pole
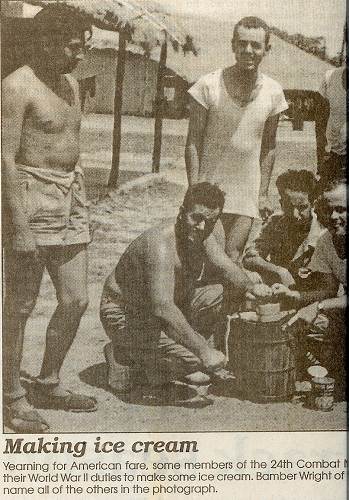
pixel 342 53
pixel 298 118
pixel 120 73
pixel 159 108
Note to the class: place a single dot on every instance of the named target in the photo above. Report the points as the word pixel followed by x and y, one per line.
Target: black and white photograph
pixel 174 211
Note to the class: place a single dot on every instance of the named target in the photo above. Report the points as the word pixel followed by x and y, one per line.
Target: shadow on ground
pixel 96 376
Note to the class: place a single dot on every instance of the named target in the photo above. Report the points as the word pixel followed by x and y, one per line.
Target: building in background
pixel 97 73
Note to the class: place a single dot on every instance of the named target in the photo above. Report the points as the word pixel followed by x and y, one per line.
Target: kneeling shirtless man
pixel 156 307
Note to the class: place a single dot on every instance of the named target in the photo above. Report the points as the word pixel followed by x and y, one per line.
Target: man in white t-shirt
pixel 234 115
pixel 331 125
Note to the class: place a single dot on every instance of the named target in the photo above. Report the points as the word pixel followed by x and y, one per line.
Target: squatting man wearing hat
pixel 157 308
pixel 45 219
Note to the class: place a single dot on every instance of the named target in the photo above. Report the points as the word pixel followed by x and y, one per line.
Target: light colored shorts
pixel 56 206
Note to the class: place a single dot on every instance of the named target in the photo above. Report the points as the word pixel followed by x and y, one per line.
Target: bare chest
pixel 54 112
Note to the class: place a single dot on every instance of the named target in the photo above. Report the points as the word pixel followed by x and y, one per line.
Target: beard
pixel 301 226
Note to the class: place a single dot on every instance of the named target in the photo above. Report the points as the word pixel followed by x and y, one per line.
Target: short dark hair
pixel 60 20
pixel 252 22
pixel 206 194
pixel 297 180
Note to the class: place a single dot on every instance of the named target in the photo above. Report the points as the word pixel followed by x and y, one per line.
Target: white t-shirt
pixel 326 260
pixel 332 89
pixel 233 137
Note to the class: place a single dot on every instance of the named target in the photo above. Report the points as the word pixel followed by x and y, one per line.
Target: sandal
pixel 24 421
pixel 188 396
pixel 170 395
pixel 69 402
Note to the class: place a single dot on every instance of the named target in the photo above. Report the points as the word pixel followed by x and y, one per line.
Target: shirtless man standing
pixel 45 213
pixel 234 115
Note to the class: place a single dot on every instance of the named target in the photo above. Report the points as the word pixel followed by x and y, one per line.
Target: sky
pixel 309 17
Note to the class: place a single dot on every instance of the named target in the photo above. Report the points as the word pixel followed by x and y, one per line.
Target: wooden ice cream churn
pixel 261 353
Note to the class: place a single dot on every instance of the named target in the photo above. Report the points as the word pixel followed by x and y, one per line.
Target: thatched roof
pixel 146 23
pixel 294 68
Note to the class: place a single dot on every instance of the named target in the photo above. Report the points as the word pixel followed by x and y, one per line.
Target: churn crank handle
pixel 227 333
pixel 291 321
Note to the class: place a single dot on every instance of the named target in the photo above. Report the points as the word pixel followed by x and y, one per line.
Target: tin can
pixel 321 394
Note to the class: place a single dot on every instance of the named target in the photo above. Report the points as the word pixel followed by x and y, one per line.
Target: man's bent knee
pixel 74 306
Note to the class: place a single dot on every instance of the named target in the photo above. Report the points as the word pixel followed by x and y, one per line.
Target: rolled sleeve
pixel 279 103
pixel 200 93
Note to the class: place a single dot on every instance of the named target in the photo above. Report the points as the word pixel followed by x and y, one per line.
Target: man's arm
pixel 267 159
pixel 193 148
pixel 14 105
pixel 256 256
pixel 310 303
pixel 322 113
pixel 269 272
pixel 161 278
pixel 326 288
pixel 334 303
pixel 229 272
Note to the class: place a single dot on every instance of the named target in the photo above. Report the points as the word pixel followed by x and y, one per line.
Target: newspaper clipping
pixel 174 212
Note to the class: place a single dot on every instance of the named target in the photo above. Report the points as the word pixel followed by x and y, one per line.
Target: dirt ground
pixel 115 223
